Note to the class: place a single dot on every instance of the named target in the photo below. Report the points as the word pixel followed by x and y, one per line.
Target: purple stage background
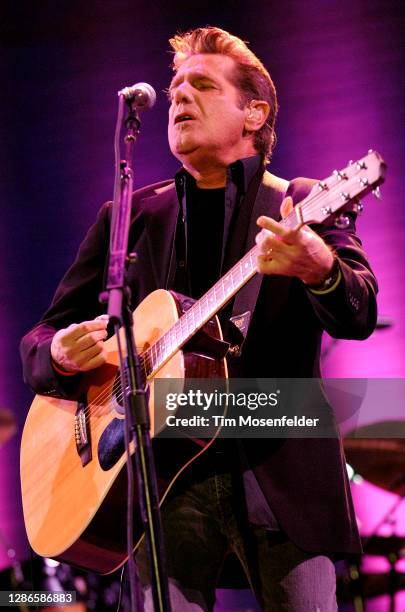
pixel 338 67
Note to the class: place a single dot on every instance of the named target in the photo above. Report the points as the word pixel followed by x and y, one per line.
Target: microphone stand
pixel 137 423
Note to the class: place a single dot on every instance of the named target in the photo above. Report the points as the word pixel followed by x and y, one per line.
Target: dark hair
pixel 250 77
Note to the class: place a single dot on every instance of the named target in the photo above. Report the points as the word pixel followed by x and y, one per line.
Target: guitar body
pixel 73 473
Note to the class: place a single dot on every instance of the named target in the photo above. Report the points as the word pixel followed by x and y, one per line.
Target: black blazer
pixel 304 480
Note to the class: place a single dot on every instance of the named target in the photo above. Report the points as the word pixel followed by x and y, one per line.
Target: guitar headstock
pixel 343 189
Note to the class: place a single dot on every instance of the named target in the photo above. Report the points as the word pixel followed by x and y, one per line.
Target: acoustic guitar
pixel 72 452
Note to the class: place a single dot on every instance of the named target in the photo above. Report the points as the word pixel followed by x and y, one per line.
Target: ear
pixel 257 112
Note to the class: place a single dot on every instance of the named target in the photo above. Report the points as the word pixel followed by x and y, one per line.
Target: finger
pixel 267 265
pixel 286 207
pixel 270 224
pixel 263 238
pixel 80 329
pixel 72 346
pixel 95 362
pixel 263 264
pixel 89 340
pixel 266 255
pixel 270 265
pixel 82 358
pixel 268 244
pixel 287 235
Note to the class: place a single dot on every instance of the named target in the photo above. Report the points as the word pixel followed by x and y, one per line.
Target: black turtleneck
pixel 205 222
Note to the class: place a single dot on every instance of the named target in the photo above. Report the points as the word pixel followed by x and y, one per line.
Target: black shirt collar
pixel 240 173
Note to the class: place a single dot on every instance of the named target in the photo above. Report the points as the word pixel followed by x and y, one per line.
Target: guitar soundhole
pixel 117 396
pixel 111 445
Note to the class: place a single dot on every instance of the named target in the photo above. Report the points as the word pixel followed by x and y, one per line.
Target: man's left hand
pixel 292 252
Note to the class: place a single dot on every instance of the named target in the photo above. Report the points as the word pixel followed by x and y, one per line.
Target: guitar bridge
pixel 82 433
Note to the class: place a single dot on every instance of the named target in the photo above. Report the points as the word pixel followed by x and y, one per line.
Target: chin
pixel 183 150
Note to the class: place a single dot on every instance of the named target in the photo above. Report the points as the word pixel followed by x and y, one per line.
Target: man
pixel 283 506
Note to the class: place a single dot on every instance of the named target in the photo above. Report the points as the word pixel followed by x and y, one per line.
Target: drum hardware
pixel 377 456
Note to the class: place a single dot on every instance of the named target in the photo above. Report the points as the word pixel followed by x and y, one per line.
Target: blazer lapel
pixel 160 213
pixel 268 200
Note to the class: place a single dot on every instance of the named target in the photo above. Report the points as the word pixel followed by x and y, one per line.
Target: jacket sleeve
pixel 350 310
pixel 75 300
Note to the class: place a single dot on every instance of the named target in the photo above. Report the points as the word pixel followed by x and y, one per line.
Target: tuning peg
pixel 358 207
pixel 377 193
pixel 350 163
pixel 340 175
pixel 342 221
pixel 326 210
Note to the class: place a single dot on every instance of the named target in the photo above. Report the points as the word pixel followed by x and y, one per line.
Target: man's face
pixel 206 121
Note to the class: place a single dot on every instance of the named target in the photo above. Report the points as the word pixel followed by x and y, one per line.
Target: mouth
pixel 183 118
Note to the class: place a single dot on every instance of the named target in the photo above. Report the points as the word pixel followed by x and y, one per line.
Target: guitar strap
pixel 269 196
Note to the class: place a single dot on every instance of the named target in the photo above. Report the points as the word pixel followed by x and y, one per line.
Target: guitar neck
pixel 206 307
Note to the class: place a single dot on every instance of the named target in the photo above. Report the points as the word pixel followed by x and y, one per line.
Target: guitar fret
pixel 189 321
pixel 148 361
pixel 184 328
pixel 197 314
pixel 177 332
pixel 240 272
pixel 159 351
pixel 168 344
pixel 152 354
pixel 156 353
pixel 222 287
pixel 252 257
pixel 196 317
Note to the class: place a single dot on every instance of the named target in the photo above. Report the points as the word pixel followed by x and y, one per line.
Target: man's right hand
pixel 80 347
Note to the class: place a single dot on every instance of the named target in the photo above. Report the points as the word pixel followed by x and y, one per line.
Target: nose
pixel 182 93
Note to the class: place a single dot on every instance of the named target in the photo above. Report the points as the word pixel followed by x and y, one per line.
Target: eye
pixel 202 84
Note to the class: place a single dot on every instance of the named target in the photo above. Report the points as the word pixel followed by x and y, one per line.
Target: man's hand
pixel 298 252
pixel 80 347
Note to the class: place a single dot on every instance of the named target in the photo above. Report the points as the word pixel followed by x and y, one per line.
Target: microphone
pixel 140 95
